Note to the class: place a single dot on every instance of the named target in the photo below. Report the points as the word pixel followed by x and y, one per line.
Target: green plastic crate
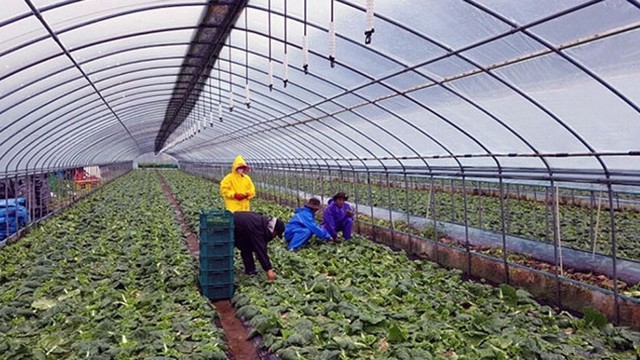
pixel 216 226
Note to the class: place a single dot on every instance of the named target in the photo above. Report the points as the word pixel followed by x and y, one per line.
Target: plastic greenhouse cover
pixel 438 78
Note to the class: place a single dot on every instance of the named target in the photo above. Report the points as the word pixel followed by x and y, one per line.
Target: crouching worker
pixel 252 233
pixel 338 216
pixel 302 226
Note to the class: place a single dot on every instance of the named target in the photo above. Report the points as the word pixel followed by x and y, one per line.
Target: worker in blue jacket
pixel 302 226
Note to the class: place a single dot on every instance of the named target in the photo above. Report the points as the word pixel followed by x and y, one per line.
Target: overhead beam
pixel 215 26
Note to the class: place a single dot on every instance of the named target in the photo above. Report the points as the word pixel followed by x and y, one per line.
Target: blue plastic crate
pixel 215 277
pixel 217 292
pixel 216 249
pixel 216 263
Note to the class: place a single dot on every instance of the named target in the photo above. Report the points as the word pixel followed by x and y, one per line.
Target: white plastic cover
pixel 482 83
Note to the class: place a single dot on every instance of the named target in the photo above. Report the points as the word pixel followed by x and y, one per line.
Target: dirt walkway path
pixel 235 334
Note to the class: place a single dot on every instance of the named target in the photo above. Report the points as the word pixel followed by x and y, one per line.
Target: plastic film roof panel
pixel 456 83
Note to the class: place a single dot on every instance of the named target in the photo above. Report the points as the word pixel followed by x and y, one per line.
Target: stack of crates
pixel 216 254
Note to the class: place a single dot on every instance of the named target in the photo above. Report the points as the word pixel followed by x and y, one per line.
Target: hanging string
pixel 219 94
pixel 305 43
pixel 332 39
pixel 285 63
pixel 369 30
pixel 247 92
pixel 210 102
pixel 270 59
pixel 230 79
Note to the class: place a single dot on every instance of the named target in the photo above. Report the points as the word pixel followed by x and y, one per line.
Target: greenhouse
pixel 435 179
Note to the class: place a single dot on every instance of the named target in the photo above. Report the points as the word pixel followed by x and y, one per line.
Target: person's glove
pixel 349 213
pixel 239 196
pixel 271 275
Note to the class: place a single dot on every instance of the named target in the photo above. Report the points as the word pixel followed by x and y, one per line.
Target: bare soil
pixel 236 335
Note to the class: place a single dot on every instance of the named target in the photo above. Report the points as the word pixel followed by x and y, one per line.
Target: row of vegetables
pixel 109 278
pixel 528 219
pixel 358 300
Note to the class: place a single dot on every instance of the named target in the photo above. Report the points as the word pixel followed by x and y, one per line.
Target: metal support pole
pixel 502 230
pixel 614 253
pixel 373 229
pixel 466 226
pixel 393 225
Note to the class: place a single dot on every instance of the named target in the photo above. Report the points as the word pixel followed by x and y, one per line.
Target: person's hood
pixel 330 202
pixel 239 161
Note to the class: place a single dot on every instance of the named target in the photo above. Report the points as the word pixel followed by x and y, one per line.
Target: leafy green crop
pixel 110 278
pixel 359 300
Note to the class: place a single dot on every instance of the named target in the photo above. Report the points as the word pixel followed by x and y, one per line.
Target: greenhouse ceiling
pixel 441 83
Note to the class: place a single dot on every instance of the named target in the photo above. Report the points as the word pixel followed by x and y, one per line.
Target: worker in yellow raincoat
pixel 237 188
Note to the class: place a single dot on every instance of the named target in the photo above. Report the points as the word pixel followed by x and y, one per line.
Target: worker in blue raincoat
pixel 302 226
pixel 338 216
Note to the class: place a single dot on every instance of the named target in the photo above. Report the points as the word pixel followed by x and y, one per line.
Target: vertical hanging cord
pixel 332 39
pixel 230 79
pixel 305 43
pixel 247 92
pixel 369 30
pixel 270 59
pixel 210 104
pixel 219 94
pixel 285 63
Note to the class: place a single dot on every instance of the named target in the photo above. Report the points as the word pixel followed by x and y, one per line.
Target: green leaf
pixel 593 317
pixel 396 333
pixel 508 293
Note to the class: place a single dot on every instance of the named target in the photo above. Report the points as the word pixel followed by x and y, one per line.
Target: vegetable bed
pixel 109 278
pixel 358 300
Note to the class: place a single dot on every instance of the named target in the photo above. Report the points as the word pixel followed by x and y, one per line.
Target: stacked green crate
pixel 216 254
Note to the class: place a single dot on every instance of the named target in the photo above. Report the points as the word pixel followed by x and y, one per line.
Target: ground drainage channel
pixel 235 331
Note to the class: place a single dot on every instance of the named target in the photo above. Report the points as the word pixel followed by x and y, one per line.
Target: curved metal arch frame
pixel 457 52
pixel 352 91
pixel 54 36
pixel 303 148
pixel 493 75
pixel 61 159
pixel 75 157
pixel 70 67
pixel 291 137
pixel 318 95
pixel 82 124
pixel 87 114
pixel 77 130
pixel 52 87
pixel 559 52
pixel 56 126
pixel 379 81
pixel 103 41
pixel 333 117
pixel 44 117
pixel 285 105
pixel 636 5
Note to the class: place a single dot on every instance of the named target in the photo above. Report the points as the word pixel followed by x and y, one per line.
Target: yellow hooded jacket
pixel 235 183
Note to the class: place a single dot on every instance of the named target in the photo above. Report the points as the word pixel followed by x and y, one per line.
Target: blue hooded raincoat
pixel 301 227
